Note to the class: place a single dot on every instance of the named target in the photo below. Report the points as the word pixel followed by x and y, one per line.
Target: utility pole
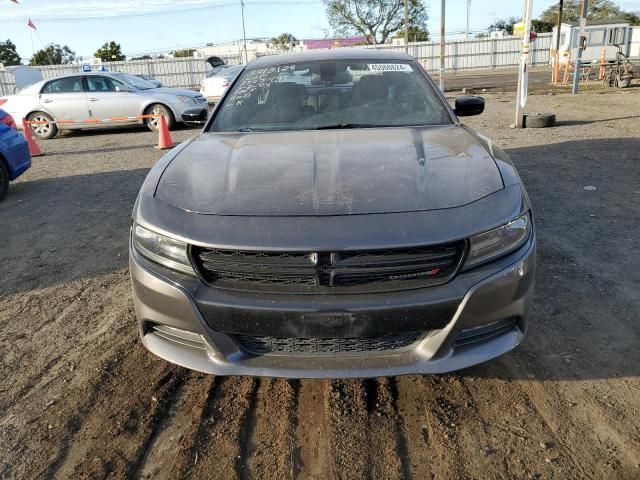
pixel 581 46
pixel 442 45
pixel 466 34
pixel 556 62
pixel 244 33
pixel 523 74
pixel 406 26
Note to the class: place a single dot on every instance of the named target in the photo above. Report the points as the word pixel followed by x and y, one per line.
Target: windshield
pixel 331 94
pixel 231 72
pixel 137 82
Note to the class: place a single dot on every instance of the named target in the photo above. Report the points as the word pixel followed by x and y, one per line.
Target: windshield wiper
pixel 340 126
pixel 245 129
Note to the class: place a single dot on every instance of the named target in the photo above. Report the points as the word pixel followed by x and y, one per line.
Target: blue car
pixel 15 158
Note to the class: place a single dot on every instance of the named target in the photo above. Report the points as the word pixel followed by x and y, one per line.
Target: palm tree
pixel 283 42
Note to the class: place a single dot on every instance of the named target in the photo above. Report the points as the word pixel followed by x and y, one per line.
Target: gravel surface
pixel 81 398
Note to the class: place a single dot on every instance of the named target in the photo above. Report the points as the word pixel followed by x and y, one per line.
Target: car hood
pixel 329 172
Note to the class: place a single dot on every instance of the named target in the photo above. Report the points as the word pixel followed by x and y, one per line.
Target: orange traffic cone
pixel 164 138
pixel 34 149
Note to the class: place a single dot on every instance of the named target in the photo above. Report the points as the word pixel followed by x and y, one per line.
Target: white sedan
pixel 93 100
pixel 213 87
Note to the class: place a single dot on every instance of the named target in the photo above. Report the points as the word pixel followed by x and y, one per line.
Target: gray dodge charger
pixel 333 219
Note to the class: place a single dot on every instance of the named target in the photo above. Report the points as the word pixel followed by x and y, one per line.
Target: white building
pixel 603 37
pixel 234 52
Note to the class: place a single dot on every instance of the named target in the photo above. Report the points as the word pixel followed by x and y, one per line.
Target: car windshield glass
pixel 137 82
pixel 231 72
pixel 331 94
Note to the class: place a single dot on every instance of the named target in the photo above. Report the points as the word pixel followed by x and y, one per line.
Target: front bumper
pixel 180 108
pixel 485 296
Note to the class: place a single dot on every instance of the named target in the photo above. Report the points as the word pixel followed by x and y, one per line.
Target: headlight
pixel 161 249
pixel 498 242
pixel 186 99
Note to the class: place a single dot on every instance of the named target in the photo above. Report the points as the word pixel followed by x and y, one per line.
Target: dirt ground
pixel 81 398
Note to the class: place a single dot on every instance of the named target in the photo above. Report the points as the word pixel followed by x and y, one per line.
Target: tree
pixel 377 20
pixel 632 18
pixel 142 57
pixel 416 34
pixel 110 52
pixel 505 24
pixel 598 10
pixel 283 42
pixel 540 26
pixel 184 53
pixel 9 54
pixel 53 54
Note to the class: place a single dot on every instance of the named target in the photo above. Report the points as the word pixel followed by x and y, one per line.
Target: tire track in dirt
pixel 48 398
pixel 270 443
pixel 196 408
pixel 311 435
pixel 562 410
pixel 365 431
pixel 414 426
pixel 217 443
pixel 113 436
pixel 457 448
pixel 170 428
pixel 348 428
pixel 441 416
pixel 387 446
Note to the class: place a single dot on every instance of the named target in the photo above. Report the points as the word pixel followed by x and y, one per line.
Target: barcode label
pixel 390 67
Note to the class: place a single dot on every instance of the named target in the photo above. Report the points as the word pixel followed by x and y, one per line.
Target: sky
pixel 142 26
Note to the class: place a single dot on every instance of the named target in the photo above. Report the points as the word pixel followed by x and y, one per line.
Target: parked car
pixel 349 226
pixel 212 88
pixel 217 64
pixel 14 153
pixel 103 95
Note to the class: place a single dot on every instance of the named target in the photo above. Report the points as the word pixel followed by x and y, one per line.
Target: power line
pixel 165 12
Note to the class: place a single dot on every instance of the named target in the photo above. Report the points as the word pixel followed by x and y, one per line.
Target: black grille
pixel 323 272
pixel 289 345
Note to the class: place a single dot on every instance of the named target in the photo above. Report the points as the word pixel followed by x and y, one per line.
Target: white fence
pixel 476 54
pixel 7 83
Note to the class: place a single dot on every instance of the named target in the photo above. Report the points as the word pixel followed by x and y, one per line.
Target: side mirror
pixel 468 106
pixel 195 115
pixel 122 89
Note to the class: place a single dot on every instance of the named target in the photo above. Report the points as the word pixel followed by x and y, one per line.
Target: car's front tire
pixel 43 131
pixel 159 109
pixel 4 180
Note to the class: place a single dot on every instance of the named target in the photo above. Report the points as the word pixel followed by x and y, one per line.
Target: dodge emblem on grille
pixel 409 276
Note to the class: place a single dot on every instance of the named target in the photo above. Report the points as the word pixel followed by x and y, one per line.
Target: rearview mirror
pixel 194 115
pixel 468 106
pixel 122 89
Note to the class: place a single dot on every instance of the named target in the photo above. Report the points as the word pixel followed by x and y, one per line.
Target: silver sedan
pixel 94 100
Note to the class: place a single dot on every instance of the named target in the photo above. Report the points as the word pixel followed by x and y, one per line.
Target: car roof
pixel 333 54
pixel 80 74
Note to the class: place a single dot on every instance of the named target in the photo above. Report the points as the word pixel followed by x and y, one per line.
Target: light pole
pixel 442 45
pixel 466 35
pixel 244 33
pixel 406 26
pixel 523 74
pixel 556 63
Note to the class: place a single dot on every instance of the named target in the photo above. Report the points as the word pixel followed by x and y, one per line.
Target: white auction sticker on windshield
pixel 390 67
